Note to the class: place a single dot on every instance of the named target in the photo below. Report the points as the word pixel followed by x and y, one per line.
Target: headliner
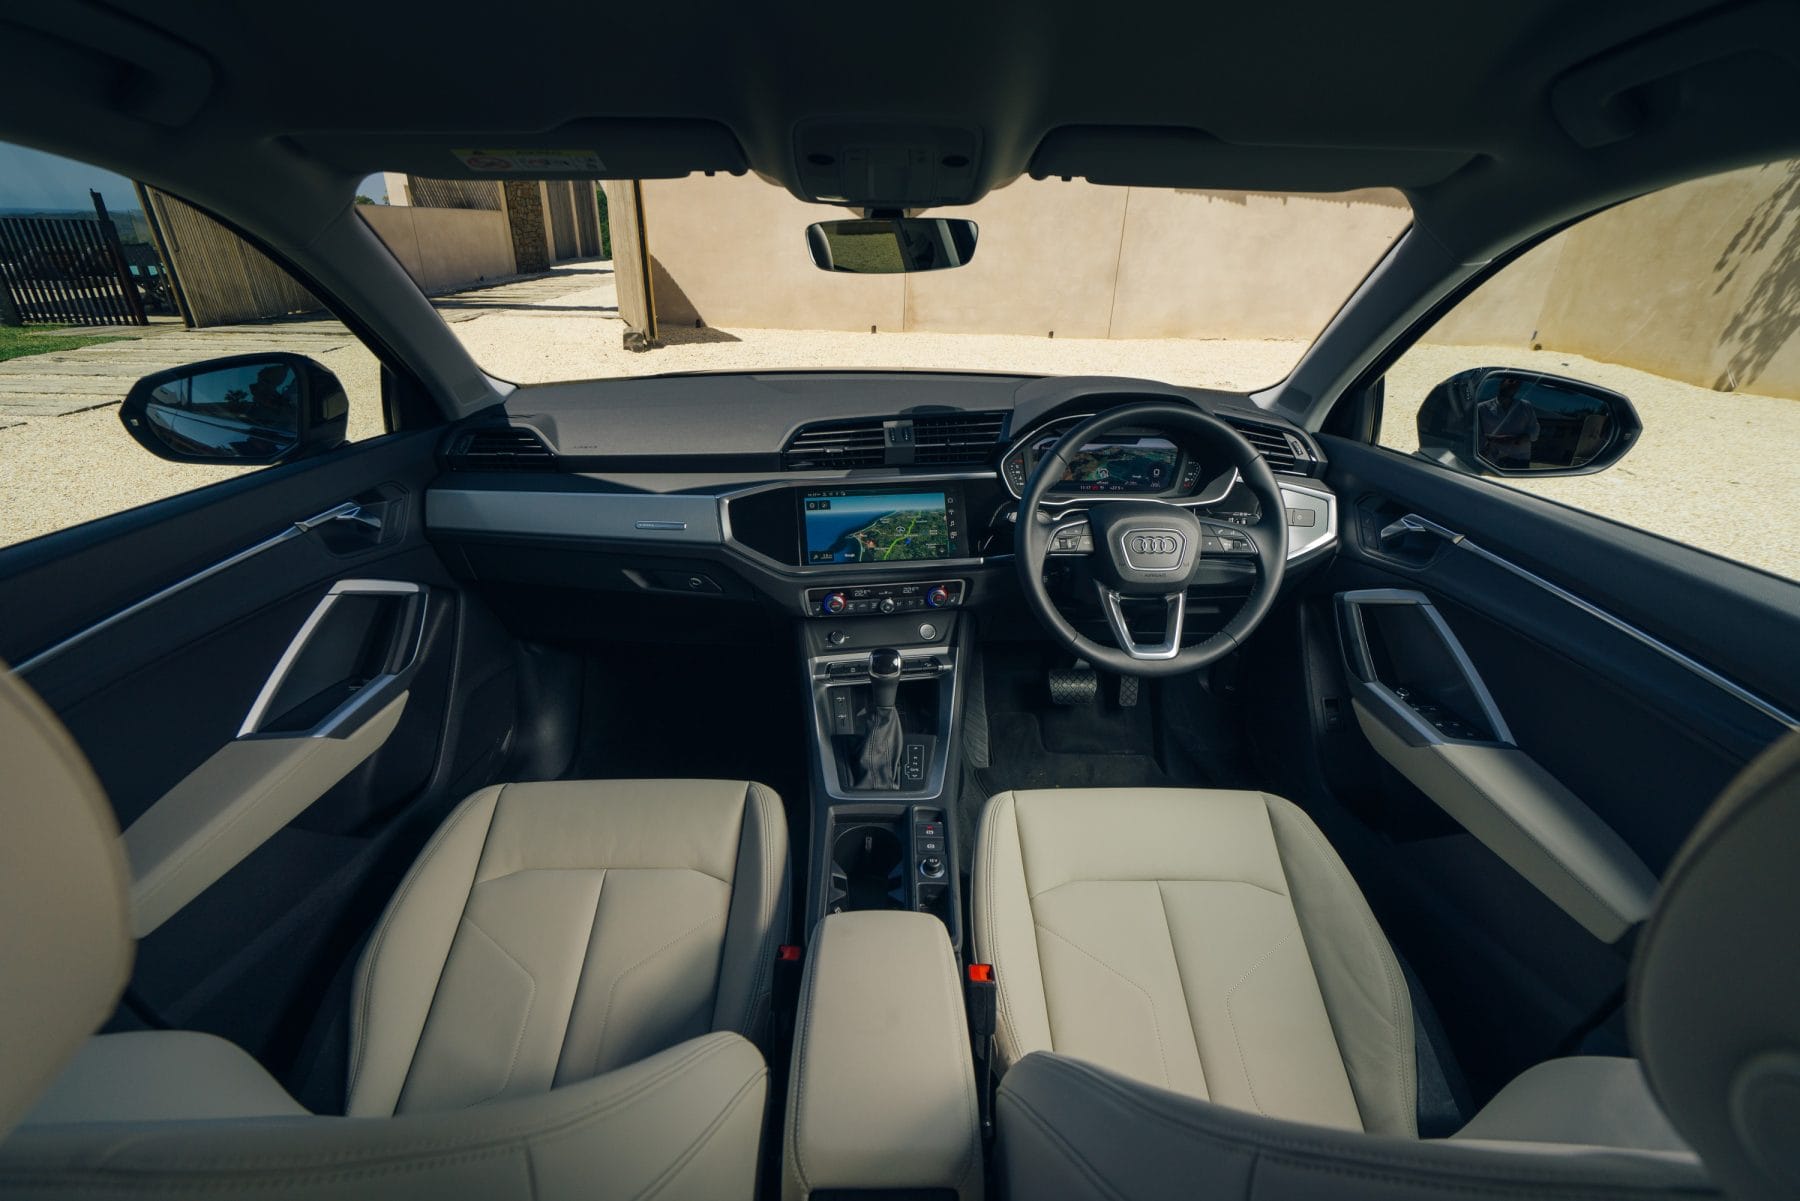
pixel 1479 111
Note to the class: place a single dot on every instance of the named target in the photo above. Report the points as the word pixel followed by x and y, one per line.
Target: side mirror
pixel 890 245
pixel 251 409
pixel 1509 422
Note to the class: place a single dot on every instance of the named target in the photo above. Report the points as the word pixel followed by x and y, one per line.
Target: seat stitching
pixel 693 1149
pixel 1159 880
pixel 575 996
pixel 1155 1025
pixel 524 1022
pixel 1180 983
pixel 461 1147
pixel 993 951
pixel 1298 1148
pixel 759 985
pixel 381 933
pixel 606 1013
pixel 1372 929
pixel 1243 1061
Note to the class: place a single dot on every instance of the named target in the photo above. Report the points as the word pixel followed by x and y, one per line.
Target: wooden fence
pixel 66 271
pixel 220 279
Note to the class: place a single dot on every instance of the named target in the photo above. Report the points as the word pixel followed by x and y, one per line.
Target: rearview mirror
pixel 1509 422
pixel 251 409
pixel 890 245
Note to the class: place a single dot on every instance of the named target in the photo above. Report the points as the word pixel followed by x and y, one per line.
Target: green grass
pixel 16 343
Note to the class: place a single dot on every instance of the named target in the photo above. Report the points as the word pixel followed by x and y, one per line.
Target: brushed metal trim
pixel 1725 684
pixel 349 509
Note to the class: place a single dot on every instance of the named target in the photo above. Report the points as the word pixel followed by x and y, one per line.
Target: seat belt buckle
pixel 789 959
pixel 983 1002
pixel 981 994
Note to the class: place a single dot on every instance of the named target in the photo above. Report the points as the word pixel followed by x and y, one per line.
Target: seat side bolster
pixel 758 923
pixel 1006 932
pixel 399 972
pixel 1070 1129
pixel 1359 978
pixel 682 1123
pixel 162 1076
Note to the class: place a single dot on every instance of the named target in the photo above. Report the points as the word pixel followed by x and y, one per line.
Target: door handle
pixel 1412 523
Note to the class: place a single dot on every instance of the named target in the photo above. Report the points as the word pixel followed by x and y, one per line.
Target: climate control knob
pixel 888 604
pixel 938 597
pixel 834 603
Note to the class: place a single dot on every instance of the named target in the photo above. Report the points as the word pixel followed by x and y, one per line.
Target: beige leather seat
pixel 1195 1000
pixel 559 1001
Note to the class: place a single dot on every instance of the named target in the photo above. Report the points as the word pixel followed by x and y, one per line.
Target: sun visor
pixel 588 149
pixel 1173 157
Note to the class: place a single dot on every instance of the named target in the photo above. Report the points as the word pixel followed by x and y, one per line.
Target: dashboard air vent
pixel 501 448
pixel 1281 450
pixel 839 444
pixel 967 438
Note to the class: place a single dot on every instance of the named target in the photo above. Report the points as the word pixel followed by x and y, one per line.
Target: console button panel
pixel 856 600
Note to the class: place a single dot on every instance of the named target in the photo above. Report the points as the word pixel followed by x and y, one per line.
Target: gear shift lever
pixel 884 676
pixel 878 758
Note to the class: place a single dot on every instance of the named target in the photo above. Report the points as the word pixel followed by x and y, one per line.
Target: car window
pixel 104 281
pixel 1686 302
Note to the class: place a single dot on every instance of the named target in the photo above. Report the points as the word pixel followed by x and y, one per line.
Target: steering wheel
pixel 1144 549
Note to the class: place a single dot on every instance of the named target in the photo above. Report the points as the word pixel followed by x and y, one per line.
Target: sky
pixel 33 180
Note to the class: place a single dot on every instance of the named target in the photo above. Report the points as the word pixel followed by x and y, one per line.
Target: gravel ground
pixel 1689 477
pixel 1716 470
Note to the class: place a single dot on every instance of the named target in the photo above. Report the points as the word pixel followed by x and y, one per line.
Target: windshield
pixel 547 281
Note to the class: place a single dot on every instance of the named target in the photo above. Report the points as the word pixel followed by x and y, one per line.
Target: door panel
pixel 153 633
pixel 1638 674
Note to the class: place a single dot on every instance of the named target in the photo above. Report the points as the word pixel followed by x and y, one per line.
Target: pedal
pixel 1073 685
pixel 1128 692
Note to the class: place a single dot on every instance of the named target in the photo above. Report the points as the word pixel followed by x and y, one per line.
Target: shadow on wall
pixel 1770 315
pixel 678 319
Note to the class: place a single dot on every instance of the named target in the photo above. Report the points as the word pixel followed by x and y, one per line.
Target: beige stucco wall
pixel 444 249
pixel 1699 282
pixel 1076 259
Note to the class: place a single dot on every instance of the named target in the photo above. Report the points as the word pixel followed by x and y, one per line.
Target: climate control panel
pixel 857 600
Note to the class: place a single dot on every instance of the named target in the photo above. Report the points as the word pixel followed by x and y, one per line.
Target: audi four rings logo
pixel 1155 544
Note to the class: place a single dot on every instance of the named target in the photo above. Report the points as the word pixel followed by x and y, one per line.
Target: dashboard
pixel 825 494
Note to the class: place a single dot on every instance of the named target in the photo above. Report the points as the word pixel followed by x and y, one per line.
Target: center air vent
pixel 501 448
pixel 840 444
pixel 956 437
pixel 935 439
pixel 1281 450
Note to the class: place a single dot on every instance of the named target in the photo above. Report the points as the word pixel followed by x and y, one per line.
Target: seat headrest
pixel 65 942
pixel 1715 988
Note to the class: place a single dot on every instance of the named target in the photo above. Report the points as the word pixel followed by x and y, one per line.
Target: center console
pixel 881 1099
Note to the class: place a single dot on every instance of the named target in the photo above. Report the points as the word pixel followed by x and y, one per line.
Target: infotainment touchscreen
pixel 862 525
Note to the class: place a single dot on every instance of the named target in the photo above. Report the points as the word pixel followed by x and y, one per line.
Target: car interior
pixel 897 784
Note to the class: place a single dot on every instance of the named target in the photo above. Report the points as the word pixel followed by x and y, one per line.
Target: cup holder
pixel 868 870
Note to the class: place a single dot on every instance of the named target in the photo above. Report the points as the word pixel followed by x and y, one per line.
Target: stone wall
pixel 525 222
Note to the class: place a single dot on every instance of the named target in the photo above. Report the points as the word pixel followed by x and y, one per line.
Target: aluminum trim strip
pixel 348 508
pixel 1723 683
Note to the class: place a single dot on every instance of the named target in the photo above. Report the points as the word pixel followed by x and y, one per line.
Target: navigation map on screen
pixel 878 527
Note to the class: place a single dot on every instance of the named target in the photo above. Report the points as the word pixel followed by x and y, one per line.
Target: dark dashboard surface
pixel 782 487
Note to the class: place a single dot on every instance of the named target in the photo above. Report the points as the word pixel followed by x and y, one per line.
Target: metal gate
pixel 66 271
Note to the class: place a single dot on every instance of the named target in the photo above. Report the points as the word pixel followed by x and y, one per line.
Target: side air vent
pixel 1281 450
pixel 501 448
pixel 840 444
pixel 968 438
